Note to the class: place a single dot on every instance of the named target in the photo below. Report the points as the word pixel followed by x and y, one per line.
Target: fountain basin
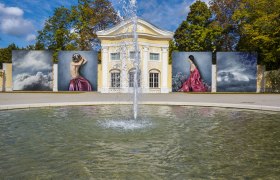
pixel 170 142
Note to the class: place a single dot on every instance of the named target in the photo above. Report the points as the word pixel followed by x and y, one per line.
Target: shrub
pixel 273 81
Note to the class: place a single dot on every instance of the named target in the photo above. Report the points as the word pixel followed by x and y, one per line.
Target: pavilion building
pixel 117 57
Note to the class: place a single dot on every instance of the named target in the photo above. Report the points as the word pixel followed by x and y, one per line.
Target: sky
pixel 21 19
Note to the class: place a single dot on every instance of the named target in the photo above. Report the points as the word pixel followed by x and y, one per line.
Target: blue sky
pixel 21 19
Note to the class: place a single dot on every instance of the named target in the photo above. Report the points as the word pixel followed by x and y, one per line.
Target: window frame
pixel 115 79
pixel 152 53
pixel 119 56
pixel 154 79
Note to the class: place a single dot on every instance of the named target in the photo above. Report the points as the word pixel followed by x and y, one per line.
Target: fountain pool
pixel 166 142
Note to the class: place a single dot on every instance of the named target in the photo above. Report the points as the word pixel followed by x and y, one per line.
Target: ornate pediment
pixel 144 30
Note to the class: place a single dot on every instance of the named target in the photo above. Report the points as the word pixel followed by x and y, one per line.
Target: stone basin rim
pixel 168 103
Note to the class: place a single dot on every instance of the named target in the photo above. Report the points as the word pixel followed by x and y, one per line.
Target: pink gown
pixel 193 83
pixel 79 84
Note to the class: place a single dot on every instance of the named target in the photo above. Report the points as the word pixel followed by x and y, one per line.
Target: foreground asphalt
pixel 14 100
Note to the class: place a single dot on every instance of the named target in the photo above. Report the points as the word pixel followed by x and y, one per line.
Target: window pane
pixel 154 80
pixel 154 56
pixel 115 79
pixel 118 80
pixel 151 80
pixel 132 54
pixel 115 56
pixel 131 79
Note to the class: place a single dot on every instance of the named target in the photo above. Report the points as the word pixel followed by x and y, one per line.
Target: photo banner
pixel 236 72
pixel 32 70
pixel 191 71
pixel 77 71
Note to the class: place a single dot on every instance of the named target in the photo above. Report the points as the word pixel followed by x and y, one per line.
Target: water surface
pixel 166 142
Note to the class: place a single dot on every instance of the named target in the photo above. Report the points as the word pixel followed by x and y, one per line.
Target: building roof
pixel 144 29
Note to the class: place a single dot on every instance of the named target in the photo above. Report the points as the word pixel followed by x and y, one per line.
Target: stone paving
pixel 14 100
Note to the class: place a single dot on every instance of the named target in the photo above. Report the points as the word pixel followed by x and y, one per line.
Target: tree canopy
pixel 89 17
pixel 222 13
pixel 198 32
pixel 233 25
pixel 6 54
pixel 226 25
pixel 259 25
pixel 75 28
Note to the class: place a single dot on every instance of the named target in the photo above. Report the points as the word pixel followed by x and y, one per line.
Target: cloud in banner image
pixel 38 81
pixel 236 72
pixel 32 70
pixel 33 60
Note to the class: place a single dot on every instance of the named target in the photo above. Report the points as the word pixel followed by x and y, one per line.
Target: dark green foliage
pixel 198 32
pixel 89 17
pixel 76 29
pixel 273 81
pixel 223 11
pixel 6 54
pixel 259 26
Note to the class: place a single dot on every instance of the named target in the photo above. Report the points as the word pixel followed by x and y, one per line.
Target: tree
pixel 6 54
pixel 259 23
pixel 89 17
pixel 56 34
pixel 172 48
pixel 75 29
pixel 198 32
pixel 223 11
pixel 36 46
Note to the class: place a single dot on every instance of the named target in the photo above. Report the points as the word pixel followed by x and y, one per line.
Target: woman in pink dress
pixel 194 82
pixel 78 83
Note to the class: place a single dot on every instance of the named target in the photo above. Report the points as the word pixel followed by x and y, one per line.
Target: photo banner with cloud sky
pixel 236 72
pixel 32 70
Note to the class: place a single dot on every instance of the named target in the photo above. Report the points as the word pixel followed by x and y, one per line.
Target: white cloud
pixel 33 61
pixel 31 37
pixel 10 11
pixel 13 23
pixel 232 76
pixel 38 81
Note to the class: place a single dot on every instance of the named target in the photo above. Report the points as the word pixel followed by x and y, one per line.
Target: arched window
pixel 154 80
pixel 131 74
pixel 115 78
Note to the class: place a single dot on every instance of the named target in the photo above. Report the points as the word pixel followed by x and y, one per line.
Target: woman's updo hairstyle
pixel 76 57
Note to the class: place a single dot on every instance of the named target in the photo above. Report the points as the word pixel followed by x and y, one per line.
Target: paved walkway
pixel 248 101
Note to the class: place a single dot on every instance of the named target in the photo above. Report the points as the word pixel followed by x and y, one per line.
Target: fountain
pixel 136 59
pixel 181 143
pixel 170 142
pixel 130 10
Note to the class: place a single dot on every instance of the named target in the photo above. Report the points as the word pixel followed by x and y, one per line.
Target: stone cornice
pixel 109 33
